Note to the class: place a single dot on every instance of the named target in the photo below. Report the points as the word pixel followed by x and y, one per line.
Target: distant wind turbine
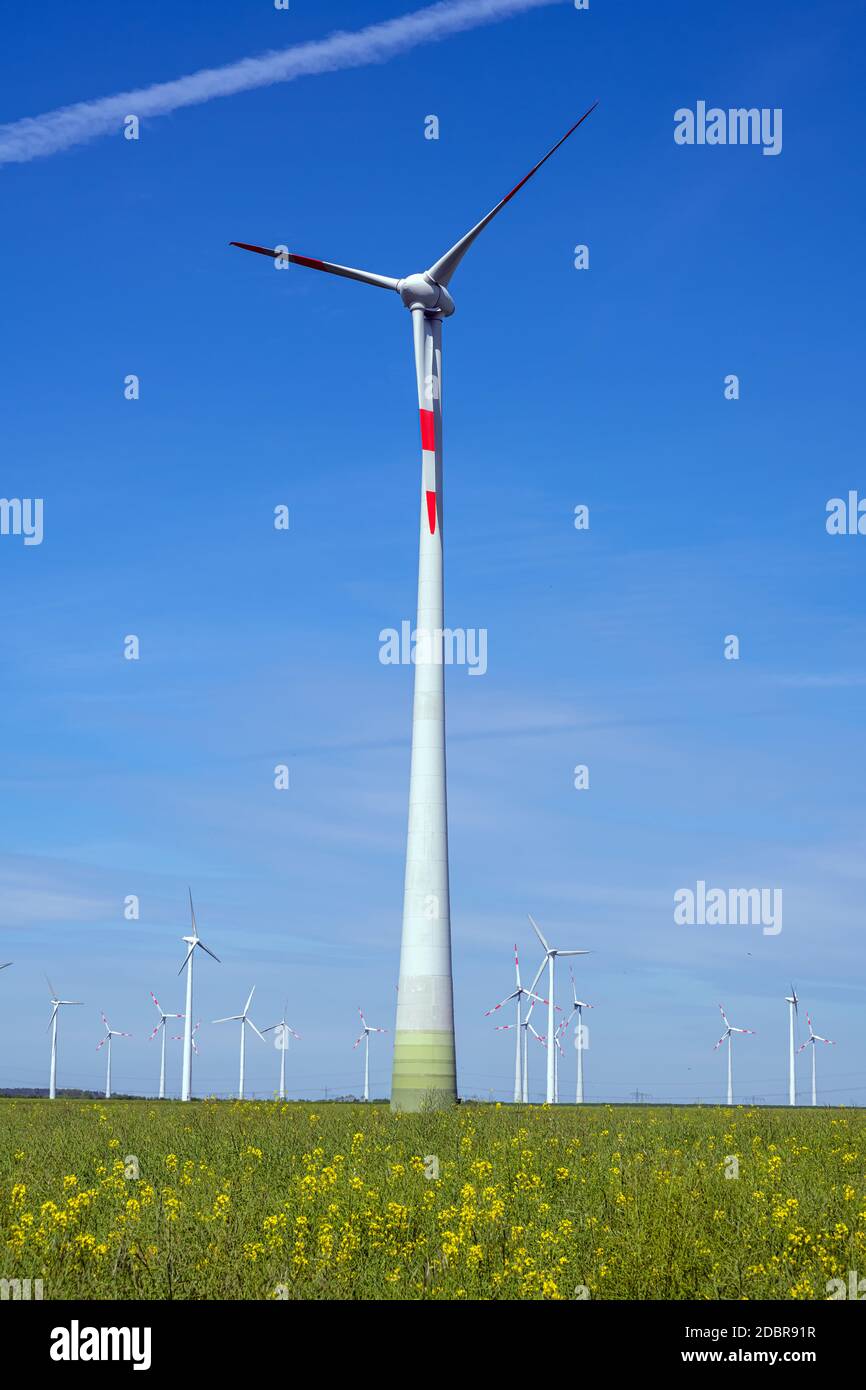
pixel 811 1040
pixel 517 995
pixel 550 955
pixel 109 1034
pixel 56 1006
pixel 578 1006
pixel 178 1037
pixel 160 1027
pixel 528 1028
pixel 793 1008
pixel 728 1034
pixel 365 1037
pixel 192 941
pixel 283 1032
pixel 244 1020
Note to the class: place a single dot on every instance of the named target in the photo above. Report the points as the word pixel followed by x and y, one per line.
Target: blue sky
pixel 605 647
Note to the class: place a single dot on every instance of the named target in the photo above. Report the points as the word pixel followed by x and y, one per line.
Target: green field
pixel 139 1199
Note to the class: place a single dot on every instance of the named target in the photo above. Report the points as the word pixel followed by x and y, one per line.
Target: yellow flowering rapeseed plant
pixel 273 1199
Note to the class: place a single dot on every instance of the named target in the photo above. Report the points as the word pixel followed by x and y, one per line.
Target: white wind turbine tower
pixel 559 1052
pixel 283 1031
pixel 243 1019
pixel 812 1039
pixel 728 1034
pixel 365 1037
pixel 425 1068
pixel 550 955
pixel 527 1027
pixel 517 995
pixel 793 1008
pixel 192 941
pixel 56 1006
pixel 578 1006
pixel 160 1027
pixel 109 1034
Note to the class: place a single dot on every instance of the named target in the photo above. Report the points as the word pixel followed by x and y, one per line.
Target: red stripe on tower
pixel 431 511
pixel 428 430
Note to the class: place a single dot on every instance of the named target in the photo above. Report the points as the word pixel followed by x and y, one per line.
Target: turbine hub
pixel 420 292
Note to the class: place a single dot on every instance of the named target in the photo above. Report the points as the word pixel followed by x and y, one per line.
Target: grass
pixel 257 1200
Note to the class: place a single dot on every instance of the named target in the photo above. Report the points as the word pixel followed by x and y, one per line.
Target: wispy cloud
pixel 35 136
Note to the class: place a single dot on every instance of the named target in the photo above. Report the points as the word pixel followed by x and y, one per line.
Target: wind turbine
pixel 365 1036
pixel 728 1033
pixel 163 1016
pixel 525 1026
pixel 793 1008
pixel 192 941
pixel 425 1068
pixel 243 1019
pixel 178 1037
pixel 109 1034
pixel 283 1032
pixel 56 1006
pixel 550 955
pixel 578 1007
pixel 528 1028
pixel 517 995
pixel 814 1038
pixel 6 964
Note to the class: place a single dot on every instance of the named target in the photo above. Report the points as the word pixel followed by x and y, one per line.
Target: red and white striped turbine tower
pixel 425 1069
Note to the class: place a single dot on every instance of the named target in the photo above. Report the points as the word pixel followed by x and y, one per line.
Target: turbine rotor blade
pixel 537 930
pixel 209 951
pixel 506 1000
pixel 444 268
pixel 538 972
pixel 367 277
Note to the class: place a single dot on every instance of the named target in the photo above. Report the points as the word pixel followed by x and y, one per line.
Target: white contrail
pixel 34 136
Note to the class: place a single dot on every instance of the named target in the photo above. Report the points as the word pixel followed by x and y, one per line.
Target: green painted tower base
pixel 425 1072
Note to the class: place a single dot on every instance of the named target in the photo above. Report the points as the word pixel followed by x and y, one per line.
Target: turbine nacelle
pixel 421 291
